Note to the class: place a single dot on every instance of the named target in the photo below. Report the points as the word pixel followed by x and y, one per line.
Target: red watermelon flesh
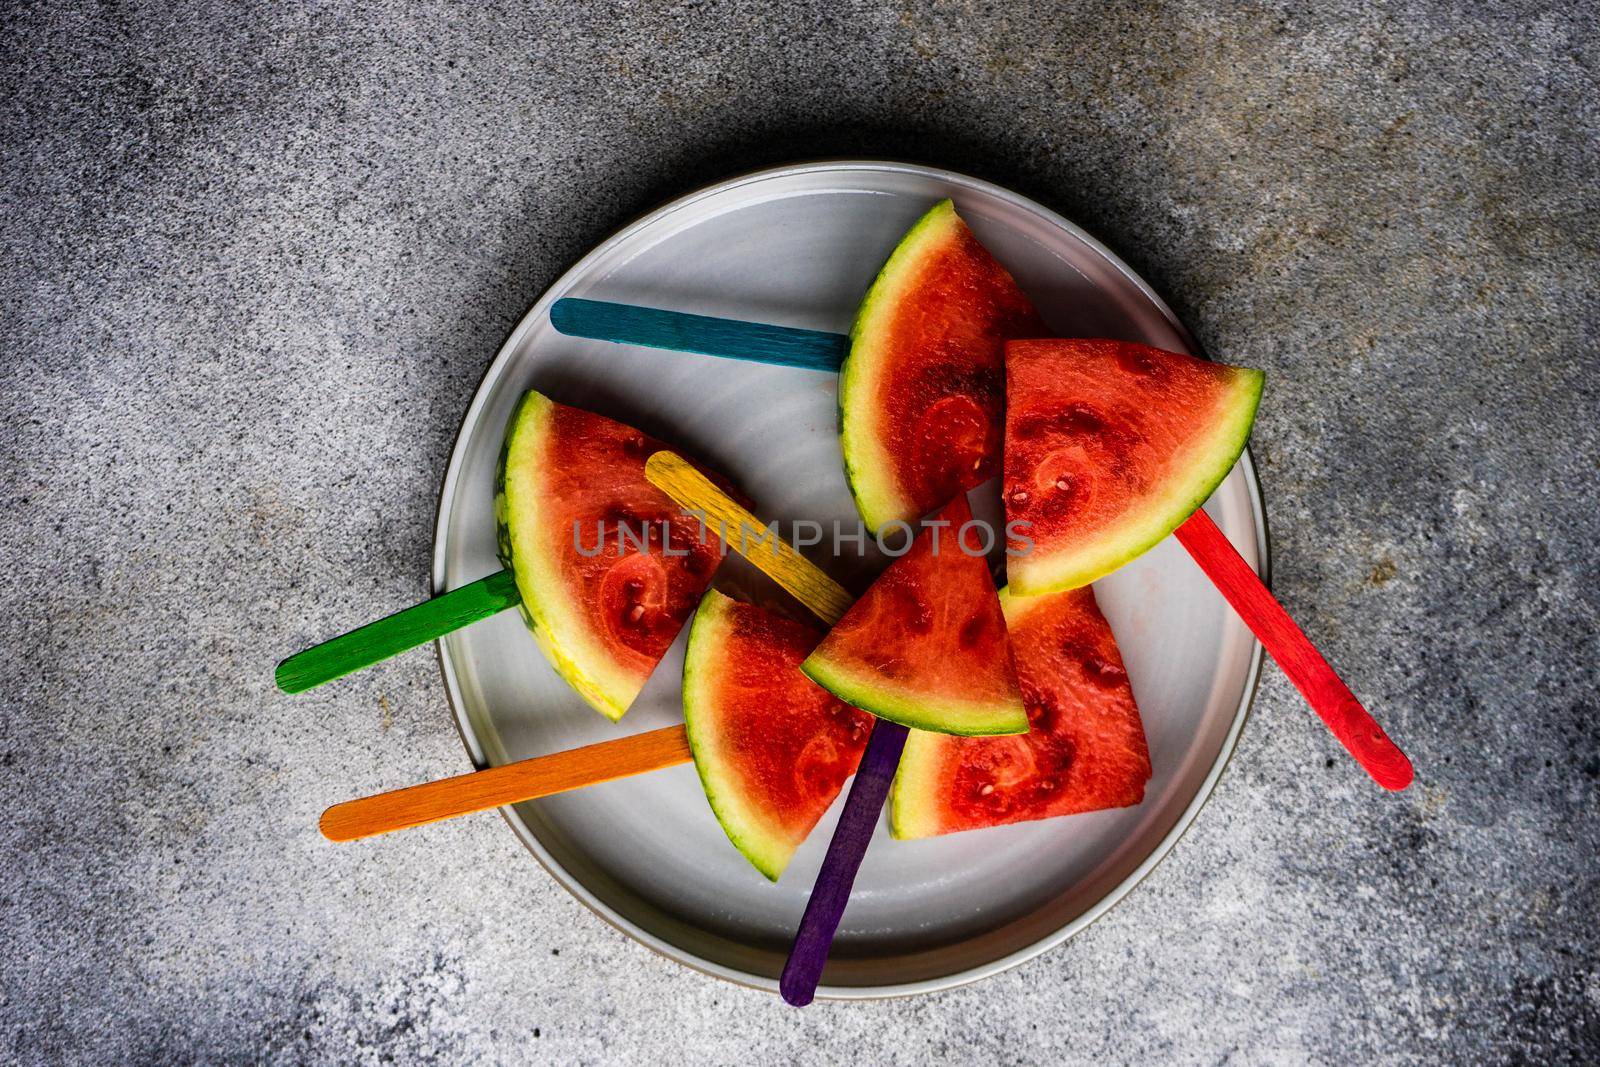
pixel 926 645
pixel 1110 446
pixel 1085 749
pixel 922 389
pixel 604 612
pixel 773 748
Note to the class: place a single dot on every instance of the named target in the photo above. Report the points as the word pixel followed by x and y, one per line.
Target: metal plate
pixel 799 245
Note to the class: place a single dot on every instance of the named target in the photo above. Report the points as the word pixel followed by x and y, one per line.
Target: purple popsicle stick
pixel 832 891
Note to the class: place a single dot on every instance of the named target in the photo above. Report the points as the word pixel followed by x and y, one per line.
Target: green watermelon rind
pixel 866 467
pixel 919 772
pixel 916 710
pixel 1036 575
pixel 558 626
pixel 769 853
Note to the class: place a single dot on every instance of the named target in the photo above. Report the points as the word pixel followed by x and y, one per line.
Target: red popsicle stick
pixel 1323 689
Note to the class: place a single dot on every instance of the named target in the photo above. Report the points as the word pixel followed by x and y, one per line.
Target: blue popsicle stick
pixel 757 342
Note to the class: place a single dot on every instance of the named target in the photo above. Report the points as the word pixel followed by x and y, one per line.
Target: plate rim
pixel 475 752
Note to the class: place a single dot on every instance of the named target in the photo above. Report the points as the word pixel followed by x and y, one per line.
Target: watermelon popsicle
pixel 922 388
pixel 1085 748
pixel 571 499
pixel 926 644
pixel 772 747
pixel 603 609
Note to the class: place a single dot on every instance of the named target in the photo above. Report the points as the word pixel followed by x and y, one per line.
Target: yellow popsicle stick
pixel 740 530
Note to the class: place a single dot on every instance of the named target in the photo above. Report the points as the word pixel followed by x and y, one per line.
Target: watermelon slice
pixel 1085 749
pixel 921 391
pixel 1110 446
pixel 604 611
pixel 773 748
pixel 926 646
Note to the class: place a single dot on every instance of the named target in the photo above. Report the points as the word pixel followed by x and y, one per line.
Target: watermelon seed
pixel 988 787
pixel 1063 483
pixel 636 613
pixel 1019 497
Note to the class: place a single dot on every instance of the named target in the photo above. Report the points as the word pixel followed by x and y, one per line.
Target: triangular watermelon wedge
pixel 1085 749
pixel 604 610
pixel 1110 446
pixel 773 748
pixel 926 646
pixel 921 391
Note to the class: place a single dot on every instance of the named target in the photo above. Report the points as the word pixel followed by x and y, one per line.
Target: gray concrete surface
pixel 257 257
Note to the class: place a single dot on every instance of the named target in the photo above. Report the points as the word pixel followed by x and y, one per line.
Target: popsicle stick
pixel 831 893
pixel 562 771
pixel 512 783
pixel 416 625
pixel 1323 689
pixel 1327 694
pixel 757 342
pixel 743 533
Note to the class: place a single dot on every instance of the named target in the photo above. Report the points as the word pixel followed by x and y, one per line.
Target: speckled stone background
pixel 257 257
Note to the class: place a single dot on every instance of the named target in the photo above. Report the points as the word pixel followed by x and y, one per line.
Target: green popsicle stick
pixel 405 629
